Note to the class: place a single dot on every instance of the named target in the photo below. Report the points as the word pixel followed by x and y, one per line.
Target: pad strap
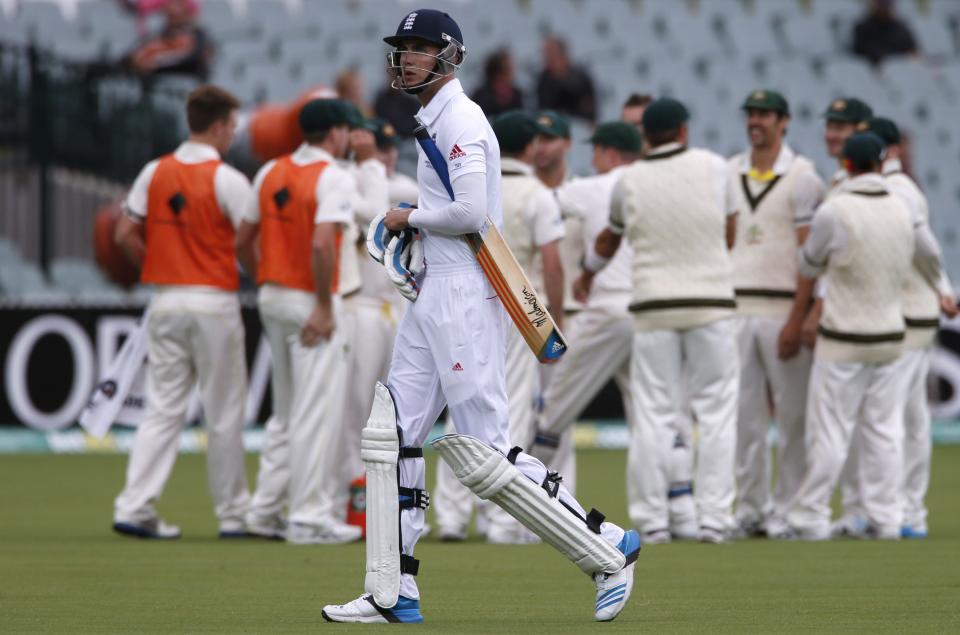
pixel 411 498
pixel 409 564
pixel 411 453
pixel 512 455
pixel 594 519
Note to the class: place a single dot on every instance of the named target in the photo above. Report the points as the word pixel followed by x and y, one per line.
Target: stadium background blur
pixel 75 128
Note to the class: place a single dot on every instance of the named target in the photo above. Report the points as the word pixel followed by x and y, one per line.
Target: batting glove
pixel 403 260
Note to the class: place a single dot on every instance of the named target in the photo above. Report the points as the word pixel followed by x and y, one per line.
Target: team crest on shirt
pixel 456 153
pixel 754 235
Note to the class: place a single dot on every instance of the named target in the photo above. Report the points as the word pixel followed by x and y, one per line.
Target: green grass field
pixel 61 569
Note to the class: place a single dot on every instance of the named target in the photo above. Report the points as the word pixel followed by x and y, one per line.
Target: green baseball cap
pixel 864 147
pixel 356 118
pixel 848 110
pixel 664 114
pixel 319 115
pixel 515 130
pixel 552 124
pixel 619 135
pixel 884 128
pixel 767 100
pixel 383 131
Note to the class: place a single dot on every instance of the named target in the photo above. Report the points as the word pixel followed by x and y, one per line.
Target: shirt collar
pixel 307 153
pixel 196 151
pixel 429 113
pixel 665 148
pixel 870 182
pixel 780 166
pixel 509 164
pixel 892 165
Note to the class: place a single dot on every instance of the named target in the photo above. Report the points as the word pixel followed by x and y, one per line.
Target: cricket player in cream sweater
pixel 863 241
pixel 675 210
pixel 922 306
pixel 601 333
pixel 777 192
pixel 450 351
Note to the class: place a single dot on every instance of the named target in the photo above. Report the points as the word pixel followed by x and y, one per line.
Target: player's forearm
pixel 553 278
pixel 246 248
pixel 926 256
pixel 129 237
pixel 803 298
pixel 465 215
pixel 324 262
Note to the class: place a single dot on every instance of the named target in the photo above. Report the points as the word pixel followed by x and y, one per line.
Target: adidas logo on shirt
pixel 457 367
pixel 456 153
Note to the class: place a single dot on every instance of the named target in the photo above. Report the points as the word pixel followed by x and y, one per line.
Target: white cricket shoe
pixel 364 610
pixel 154 529
pixel 331 533
pixel 613 589
pixel 657 537
pixel 711 536
pixel 687 530
pixel 269 527
pixel 451 533
pixel 849 527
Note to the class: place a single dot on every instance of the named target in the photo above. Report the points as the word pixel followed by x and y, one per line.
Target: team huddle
pixel 718 294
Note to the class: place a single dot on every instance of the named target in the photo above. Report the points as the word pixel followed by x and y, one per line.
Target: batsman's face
pixel 416 60
pixel 835 135
pixel 764 127
pixel 550 151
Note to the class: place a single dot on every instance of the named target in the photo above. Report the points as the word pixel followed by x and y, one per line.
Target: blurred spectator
pixel 349 87
pixel 632 111
pixel 562 86
pixel 397 108
pixel 181 47
pixel 881 33
pixel 498 93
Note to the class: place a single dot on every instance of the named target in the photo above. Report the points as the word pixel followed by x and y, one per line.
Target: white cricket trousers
pixel 185 348
pixel 762 372
pixel 301 454
pixel 452 502
pixel 844 399
pixel 368 361
pixel 706 358
pixel 914 367
pixel 450 350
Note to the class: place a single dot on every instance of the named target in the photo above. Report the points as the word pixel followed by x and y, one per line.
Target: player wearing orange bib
pixel 301 210
pixel 178 227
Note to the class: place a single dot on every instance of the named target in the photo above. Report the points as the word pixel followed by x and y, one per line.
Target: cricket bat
pixel 519 298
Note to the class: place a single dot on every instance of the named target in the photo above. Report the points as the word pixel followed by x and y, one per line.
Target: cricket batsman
pixel 450 350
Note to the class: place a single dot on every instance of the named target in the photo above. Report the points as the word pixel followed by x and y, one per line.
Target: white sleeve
pixel 135 206
pixel 252 214
pixel 465 215
pixel 373 193
pixel 927 259
pixel 726 194
pixel 807 194
pixel 546 223
pixel 827 236
pixel 336 191
pixel 466 155
pixel 233 193
pixel 617 222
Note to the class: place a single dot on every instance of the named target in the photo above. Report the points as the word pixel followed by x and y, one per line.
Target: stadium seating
pixel 707 52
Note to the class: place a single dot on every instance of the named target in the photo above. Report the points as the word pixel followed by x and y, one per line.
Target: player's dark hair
pixel 497 64
pixel 662 137
pixel 637 99
pixel 208 104
pixel 863 167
